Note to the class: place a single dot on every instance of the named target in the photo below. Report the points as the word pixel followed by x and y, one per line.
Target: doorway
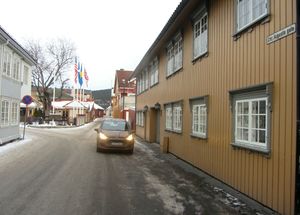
pixel 157 126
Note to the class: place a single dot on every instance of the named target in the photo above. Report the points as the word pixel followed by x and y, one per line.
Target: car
pixel 114 135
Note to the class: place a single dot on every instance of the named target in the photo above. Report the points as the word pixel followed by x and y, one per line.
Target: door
pixel 157 126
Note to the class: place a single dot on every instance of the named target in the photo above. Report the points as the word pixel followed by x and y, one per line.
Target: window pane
pixel 245 108
pixel 254 121
pixel 245 134
pixel 254 135
pixel 262 106
pixel 239 107
pixel 262 122
pixel 239 121
pixel 245 121
pixel 262 136
pixel 254 107
pixel 239 134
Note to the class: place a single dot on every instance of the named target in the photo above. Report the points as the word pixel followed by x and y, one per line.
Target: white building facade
pixel 15 82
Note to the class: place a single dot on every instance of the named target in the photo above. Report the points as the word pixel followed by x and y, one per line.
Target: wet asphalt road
pixel 60 173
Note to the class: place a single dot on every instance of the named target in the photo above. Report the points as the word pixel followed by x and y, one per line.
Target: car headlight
pixel 130 137
pixel 103 136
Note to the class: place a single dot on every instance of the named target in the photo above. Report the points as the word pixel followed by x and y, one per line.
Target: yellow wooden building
pixel 219 84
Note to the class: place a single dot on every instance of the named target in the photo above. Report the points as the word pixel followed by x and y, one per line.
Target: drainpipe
pixel 297 193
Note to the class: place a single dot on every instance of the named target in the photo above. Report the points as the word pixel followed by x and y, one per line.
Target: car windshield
pixel 115 125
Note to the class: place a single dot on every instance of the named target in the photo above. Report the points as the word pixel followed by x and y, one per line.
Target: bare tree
pixel 53 61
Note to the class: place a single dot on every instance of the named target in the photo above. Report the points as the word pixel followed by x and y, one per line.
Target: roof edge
pixel 169 23
pixel 9 39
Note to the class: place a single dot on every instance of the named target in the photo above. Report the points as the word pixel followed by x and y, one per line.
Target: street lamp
pixel 123 82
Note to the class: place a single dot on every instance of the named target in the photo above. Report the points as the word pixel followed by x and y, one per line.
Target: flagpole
pixel 83 101
pixel 73 100
pixel 53 100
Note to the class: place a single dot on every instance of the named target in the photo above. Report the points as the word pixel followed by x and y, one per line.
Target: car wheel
pixel 98 149
pixel 130 151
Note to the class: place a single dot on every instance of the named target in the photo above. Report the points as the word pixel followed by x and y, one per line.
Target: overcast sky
pixel 108 34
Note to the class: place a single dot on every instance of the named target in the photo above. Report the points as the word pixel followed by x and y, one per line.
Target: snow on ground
pixel 144 148
pixel 172 200
pixel 4 149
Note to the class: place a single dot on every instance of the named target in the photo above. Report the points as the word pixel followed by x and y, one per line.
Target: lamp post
pixel 123 82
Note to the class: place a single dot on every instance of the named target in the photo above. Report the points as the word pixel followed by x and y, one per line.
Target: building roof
pixel 102 97
pixel 123 75
pixel 164 34
pixel 13 44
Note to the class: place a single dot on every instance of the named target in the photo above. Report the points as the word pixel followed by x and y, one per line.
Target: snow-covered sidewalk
pixel 13 145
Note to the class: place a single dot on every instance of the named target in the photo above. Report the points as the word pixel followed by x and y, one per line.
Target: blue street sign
pixel 27 100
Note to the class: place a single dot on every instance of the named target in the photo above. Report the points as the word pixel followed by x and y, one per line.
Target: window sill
pixel 142 92
pixel 249 28
pixel 141 126
pixel 264 151
pixel 204 55
pixel 198 137
pixel 153 85
pixel 175 72
pixel 172 131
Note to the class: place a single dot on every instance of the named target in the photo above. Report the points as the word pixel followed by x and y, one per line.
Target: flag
pixel 80 75
pixel 86 77
pixel 76 70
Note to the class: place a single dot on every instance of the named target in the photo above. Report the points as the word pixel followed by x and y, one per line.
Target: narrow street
pixel 59 172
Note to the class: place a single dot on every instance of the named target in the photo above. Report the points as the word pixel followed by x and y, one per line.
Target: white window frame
pixel 154 72
pixel 7 61
pixel 174 55
pixel 240 124
pixel 248 7
pixel 5 112
pixel 200 33
pixel 25 75
pixel 140 118
pixel 199 120
pixel 14 113
pixel 177 54
pixel 173 114
pixel 244 124
pixel 170 60
pixel 169 116
pixel 16 68
pixel 177 118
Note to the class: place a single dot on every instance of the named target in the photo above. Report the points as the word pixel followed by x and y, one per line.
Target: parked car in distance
pixel 114 135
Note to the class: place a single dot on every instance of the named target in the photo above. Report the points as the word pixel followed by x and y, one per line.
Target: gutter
pixel 297 188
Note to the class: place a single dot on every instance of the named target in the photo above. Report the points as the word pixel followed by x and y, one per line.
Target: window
pixel 25 75
pixel 140 118
pixel 173 113
pixel 251 121
pixel 249 11
pixel 178 54
pixel 177 118
pixel 154 72
pixel 4 112
pixel 14 113
pixel 170 57
pixel 169 117
pixel 143 81
pixel 16 69
pixel 7 63
pixel 200 36
pixel 174 55
pixel 251 118
pixel 199 116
